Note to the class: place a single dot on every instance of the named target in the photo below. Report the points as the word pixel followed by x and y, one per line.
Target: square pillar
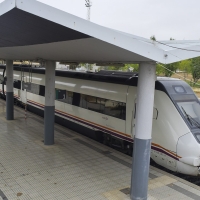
pixel 143 129
pixel 49 110
pixel 9 90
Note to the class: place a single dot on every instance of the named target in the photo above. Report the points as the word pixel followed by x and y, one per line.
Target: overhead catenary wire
pixel 178 74
pixel 177 47
pixel 184 49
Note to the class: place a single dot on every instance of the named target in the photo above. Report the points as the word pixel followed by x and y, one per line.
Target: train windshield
pixel 190 109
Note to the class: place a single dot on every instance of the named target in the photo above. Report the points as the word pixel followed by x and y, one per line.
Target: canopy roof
pixel 30 30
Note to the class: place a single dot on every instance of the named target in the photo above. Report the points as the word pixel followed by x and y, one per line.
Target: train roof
pixel 160 78
pixel 116 77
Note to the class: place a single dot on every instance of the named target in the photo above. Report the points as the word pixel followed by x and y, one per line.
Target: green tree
pixel 123 68
pixel 196 73
pixel 195 69
pixel 134 66
pixel 195 61
pixel 186 67
pixel 167 70
pixel 86 65
pixel 114 68
pixel 159 70
pixel 153 37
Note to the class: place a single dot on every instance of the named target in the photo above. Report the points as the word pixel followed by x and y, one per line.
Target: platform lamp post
pixel 88 4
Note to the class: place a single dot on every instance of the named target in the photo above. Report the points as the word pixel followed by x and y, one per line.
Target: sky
pixel 179 19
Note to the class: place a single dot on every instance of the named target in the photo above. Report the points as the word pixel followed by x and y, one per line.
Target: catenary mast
pixel 88 4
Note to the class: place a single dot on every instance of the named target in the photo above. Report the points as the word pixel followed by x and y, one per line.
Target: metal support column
pixel 49 103
pixel 9 90
pixel 143 128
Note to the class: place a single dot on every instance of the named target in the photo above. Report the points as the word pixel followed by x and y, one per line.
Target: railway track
pixel 192 179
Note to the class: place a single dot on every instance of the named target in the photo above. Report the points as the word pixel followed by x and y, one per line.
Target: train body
pixel 103 106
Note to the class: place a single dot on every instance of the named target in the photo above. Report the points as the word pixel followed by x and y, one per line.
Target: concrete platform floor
pixel 75 168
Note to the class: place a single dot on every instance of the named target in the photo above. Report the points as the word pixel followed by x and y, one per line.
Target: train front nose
pixel 188 152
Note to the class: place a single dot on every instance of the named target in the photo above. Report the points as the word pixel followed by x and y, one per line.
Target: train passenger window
pixel 64 96
pixel 83 101
pixel 17 84
pixel 114 109
pixel 94 103
pixel 42 90
pixel 34 89
pixel 102 103
pixel 123 111
pixel 60 95
pixel 69 97
pixel 76 99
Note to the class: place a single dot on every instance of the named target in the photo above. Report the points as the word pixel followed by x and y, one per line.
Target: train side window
pixel 113 108
pixel 69 97
pixel 93 103
pixel 102 103
pixel 83 101
pixel 42 90
pixel 35 88
pixel 60 95
pixel 76 99
pixel 123 111
pixel 17 84
pixel 64 96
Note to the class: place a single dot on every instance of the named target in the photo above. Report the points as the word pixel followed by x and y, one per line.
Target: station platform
pixel 75 168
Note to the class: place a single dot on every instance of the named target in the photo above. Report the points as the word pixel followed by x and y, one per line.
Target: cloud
pixel 167 18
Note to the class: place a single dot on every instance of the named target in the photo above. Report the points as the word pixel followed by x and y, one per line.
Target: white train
pixel 102 105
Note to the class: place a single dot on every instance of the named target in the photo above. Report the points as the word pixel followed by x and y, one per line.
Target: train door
pixel 130 110
pixel 23 91
pixel 60 99
pixel 1 80
pixel 26 84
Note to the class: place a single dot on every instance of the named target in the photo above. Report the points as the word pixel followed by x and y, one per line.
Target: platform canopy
pixel 30 30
